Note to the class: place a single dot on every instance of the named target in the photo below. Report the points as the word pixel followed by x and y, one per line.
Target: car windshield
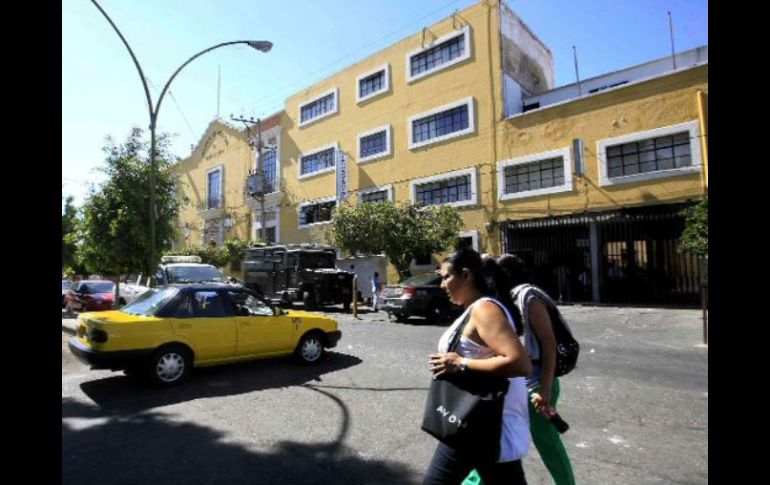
pixel 151 301
pixel 98 287
pixel 317 260
pixel 423 279
pixel 194 274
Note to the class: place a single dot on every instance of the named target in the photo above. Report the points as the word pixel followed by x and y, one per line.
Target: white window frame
pixel 469 101
pixel 388 188
pixel 334 145
pixel 273 132
pixel 567 186
pixel 385 88
pixel 335 91
pixel 275 222
pixel 474 235
pixel 467 54
pixel 388 147
pixel 309 203
pixel 695 154
pixel 444 176
pixel 221 169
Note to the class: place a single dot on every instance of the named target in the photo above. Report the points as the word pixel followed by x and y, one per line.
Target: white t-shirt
pixel 514 439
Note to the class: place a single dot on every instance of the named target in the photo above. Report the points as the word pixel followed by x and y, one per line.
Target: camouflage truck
pixel 286 274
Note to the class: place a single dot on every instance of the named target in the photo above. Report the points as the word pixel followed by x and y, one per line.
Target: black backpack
pixel 567 348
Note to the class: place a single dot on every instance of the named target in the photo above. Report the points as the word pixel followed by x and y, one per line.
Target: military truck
pixel 292 273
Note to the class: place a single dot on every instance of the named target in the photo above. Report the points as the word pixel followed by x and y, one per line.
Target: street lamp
pixel 260 45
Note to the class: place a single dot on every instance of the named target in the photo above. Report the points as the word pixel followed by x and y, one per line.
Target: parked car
pixel 65 286
pixel 421 296
pixel 188 269
pixel 131 289
pixel 167 331
pixel 90 296
pixel 289 273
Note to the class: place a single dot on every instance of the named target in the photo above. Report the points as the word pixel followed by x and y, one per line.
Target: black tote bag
pixel 465 410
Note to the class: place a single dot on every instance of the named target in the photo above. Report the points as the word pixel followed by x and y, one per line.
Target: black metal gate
pixel 638 259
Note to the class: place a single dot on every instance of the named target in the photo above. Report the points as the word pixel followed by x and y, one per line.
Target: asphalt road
pixel 637 405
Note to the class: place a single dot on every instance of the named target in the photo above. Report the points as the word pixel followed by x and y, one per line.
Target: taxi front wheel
pixel 310 349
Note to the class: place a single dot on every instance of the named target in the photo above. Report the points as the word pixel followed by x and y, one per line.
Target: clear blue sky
pixel 102 94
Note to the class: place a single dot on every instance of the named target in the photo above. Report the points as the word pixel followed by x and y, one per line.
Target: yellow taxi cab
pixel 168 330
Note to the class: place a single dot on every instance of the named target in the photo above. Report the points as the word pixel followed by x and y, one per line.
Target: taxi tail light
pixel 98 336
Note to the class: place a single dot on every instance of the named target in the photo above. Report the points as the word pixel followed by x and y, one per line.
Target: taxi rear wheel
pixel 170 365
pixel 310 349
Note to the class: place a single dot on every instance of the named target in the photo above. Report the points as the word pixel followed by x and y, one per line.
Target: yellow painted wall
pixel 223 145
pixel 651 104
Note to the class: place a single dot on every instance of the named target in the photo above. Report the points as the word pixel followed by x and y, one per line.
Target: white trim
pixel 695 153
pixel 221 169
pixel 302 176
pixel 469 101
pixel 388 188
pixel 445 176
pixel 564 153
pixel 385 88
pixel 466 55
pixel 474 235
pixel 309 203
pixel 388 149
pixel 335 91
pixel 275 222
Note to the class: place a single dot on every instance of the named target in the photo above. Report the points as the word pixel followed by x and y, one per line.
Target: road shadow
pixel 118 394
pixel 154 447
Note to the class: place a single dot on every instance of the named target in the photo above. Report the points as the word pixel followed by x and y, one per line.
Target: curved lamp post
pixel 260 45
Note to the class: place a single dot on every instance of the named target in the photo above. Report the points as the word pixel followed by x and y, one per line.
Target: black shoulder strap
pixel 454 342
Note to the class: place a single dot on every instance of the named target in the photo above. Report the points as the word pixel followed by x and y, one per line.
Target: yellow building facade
pixel 463 112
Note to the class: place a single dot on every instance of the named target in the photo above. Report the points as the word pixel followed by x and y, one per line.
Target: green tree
pixel 115 226
pixel 399 231
pixel 695 237
pixel 69 222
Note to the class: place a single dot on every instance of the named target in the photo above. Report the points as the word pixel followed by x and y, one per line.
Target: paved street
pixel 637 405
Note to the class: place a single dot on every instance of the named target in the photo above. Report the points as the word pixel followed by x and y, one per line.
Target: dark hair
pixel 513 267
pixel 490 279
pixel 470 259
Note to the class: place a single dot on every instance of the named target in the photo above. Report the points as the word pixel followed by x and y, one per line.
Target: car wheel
pixel 308 300
pixel 400 317
pixel 436 312
pixel 346 306
pixel 310 349
pixel 170 365
pixel 121 303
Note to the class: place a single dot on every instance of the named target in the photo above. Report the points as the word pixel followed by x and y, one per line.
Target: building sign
pixel 342 175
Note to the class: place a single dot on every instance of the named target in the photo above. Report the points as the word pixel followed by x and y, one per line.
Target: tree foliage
pixel 695 237
pixel 231 253
pixel 115 228
pixel 69 226
pixel 399 231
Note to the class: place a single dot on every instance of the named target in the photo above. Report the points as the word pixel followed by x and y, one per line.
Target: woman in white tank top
pixel 488 344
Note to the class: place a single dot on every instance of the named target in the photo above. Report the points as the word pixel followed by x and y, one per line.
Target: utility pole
pixel 260 169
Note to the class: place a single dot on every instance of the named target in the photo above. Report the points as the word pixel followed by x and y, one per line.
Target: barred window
pixel 214 196
pixel 438 55
pixel 314 213
pixel 373 144
pixel 445 191
pixel 534 176
pixel 269 167
pixel 440 124
pixel 371 84
pixel 378 196
pixel 317 161
pixel 318 107
pixel 651 155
